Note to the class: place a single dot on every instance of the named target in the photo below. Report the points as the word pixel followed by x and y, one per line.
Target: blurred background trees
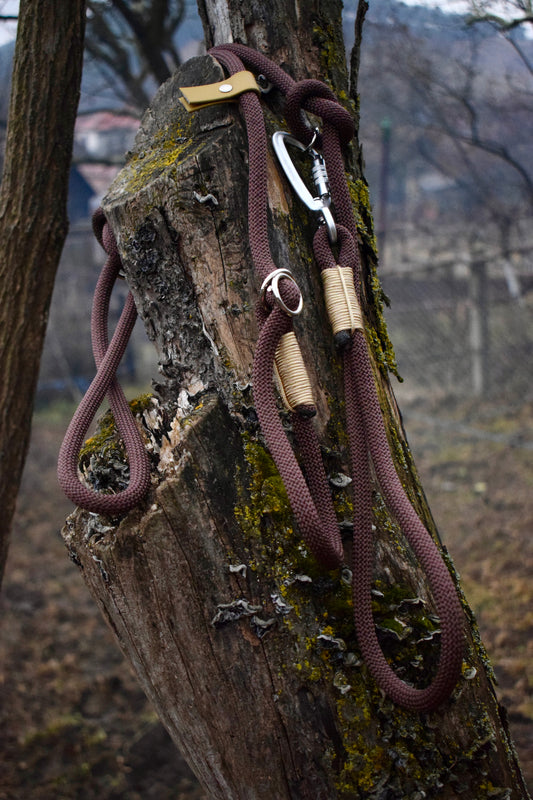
pixel 134 45
pixel 446 111
pixel 446 114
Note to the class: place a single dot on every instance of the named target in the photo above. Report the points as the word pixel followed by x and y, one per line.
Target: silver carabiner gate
pixel 319 204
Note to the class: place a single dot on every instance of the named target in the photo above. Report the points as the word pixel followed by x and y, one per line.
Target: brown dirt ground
pixel 476 465
pixel 73 722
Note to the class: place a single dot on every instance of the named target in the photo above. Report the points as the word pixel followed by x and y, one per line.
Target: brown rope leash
pixel 365 425
pixel 309 496
pixel 107 356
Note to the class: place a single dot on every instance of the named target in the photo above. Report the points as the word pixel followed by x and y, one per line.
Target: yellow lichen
pixel 377 738
pixel 167 148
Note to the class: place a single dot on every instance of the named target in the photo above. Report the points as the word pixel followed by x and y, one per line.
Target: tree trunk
pixel 33 215
pixel 244 645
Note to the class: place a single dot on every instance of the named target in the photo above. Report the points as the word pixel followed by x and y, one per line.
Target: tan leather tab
pixel 195 97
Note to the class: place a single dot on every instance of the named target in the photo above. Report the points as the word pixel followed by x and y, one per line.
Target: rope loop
pixel 277 350
pixel 107 356
pixel 317 97
pixel 364 420
pixel 309 496
pixel 347 252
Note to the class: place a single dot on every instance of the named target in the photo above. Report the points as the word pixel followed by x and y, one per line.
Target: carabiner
pixel 321 203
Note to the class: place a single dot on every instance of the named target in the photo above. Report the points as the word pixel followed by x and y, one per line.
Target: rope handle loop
pixel 310 499
pixel 107 356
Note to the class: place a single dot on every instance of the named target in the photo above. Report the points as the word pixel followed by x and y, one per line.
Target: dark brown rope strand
pixel 316 520
pixel 314 513
pixel 366 431
pixel 310 499
pixel 107 357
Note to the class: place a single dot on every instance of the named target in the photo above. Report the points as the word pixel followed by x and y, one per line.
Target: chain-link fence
pixel 463 329
pixel 67 365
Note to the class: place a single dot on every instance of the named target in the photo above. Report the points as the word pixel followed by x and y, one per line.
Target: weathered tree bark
pixel 33 215
pixel 244 645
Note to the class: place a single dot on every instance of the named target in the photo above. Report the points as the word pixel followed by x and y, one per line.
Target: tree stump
pixel 244 645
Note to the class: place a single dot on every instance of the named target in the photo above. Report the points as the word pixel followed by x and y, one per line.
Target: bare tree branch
pixel 136 41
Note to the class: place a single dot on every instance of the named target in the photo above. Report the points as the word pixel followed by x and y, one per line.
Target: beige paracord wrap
pixel 342 305
pixel 293 380
pixel 344 313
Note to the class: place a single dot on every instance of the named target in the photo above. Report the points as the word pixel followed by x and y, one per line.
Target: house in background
pixel 101 140
pixel 104 132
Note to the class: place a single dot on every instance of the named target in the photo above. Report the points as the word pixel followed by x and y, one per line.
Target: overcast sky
pixel 8 29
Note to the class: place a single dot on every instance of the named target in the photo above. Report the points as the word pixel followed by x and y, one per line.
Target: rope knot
pixel 104 234
pixel 316 97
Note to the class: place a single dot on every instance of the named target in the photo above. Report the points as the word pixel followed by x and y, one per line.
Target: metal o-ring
pixel 272 282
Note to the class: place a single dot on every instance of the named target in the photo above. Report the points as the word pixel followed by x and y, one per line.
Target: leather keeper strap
pixel 196 97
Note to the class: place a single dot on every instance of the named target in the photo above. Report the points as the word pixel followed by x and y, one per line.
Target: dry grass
pixel 476 465
pixel 73 722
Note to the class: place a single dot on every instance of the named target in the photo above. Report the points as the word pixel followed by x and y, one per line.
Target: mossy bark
pixel 33 215
pixel 245 646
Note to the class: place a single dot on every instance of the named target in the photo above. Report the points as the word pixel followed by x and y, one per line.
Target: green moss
pixel 102 439
pixel 103 458
pixel 362 209
pixel 106 441
pixel 141 403
pixel 362 766
pixel 169 147
pixel 262 470
pixel 377 739
pixel 386 524
pixel 331 49
pixel 377 334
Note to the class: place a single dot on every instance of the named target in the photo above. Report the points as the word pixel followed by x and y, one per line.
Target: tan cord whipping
pixel 342 305
pixel 293 380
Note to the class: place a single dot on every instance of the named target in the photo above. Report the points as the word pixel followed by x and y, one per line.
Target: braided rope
pixel 365 425
pixel 309 496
